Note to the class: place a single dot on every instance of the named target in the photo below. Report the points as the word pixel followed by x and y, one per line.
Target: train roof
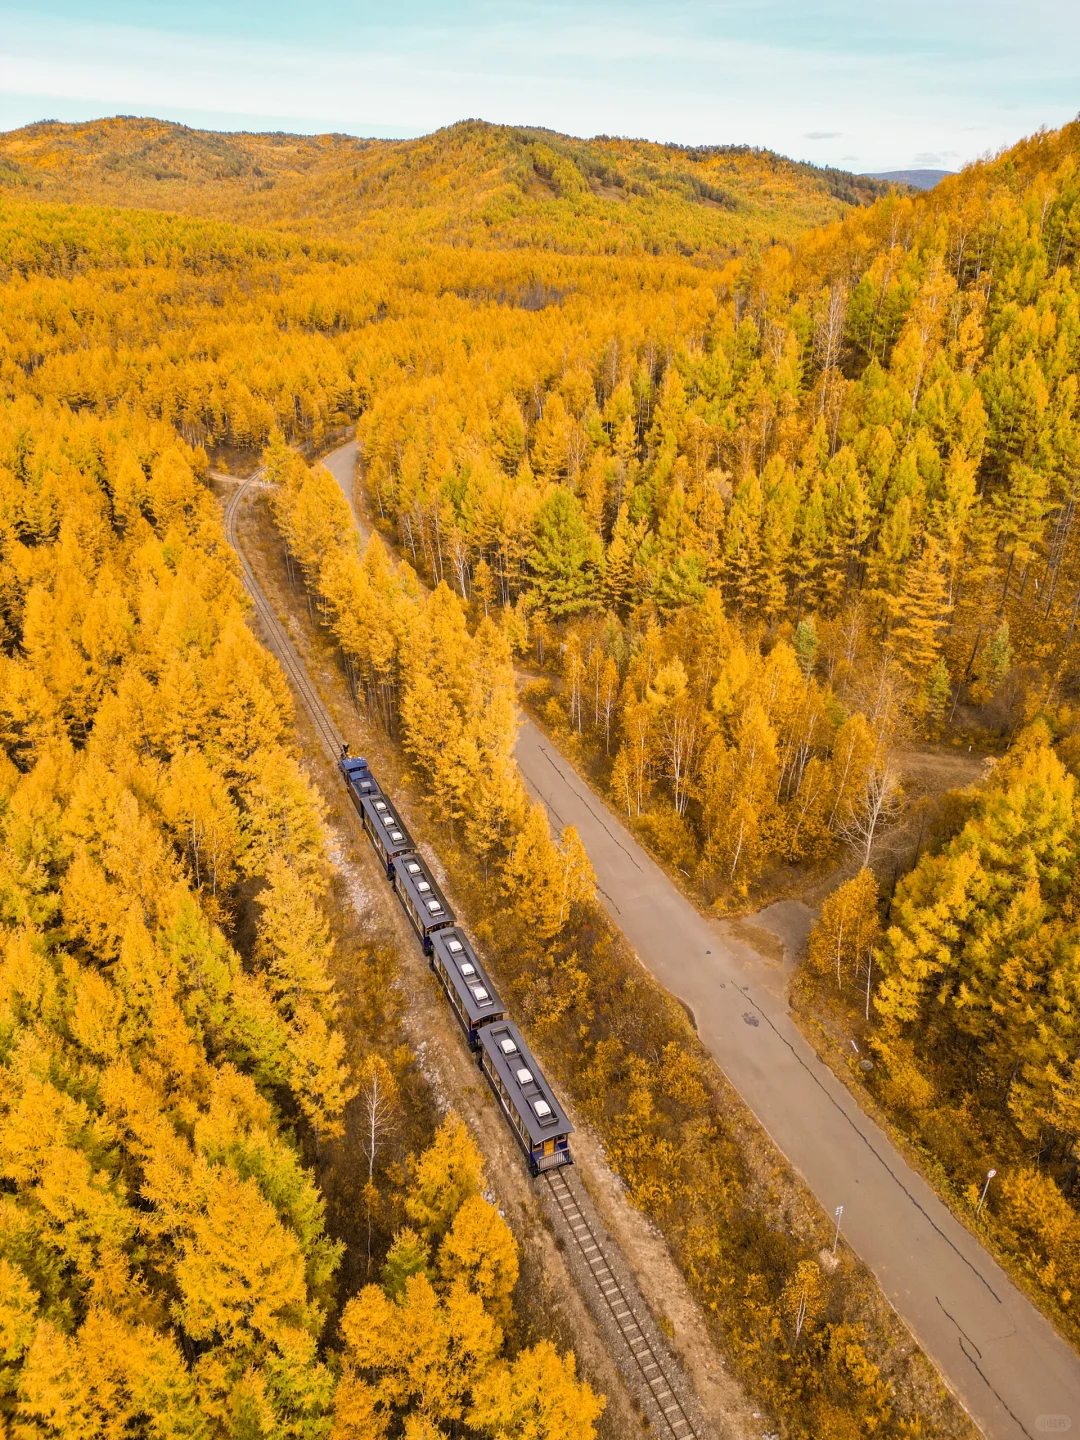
pixel 467 975
pixel 388 825
pixel 415 877
pixel 523 1080
pixel 358 774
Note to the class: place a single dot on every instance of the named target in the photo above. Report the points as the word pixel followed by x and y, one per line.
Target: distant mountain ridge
pixel 918 179
pixel 469 183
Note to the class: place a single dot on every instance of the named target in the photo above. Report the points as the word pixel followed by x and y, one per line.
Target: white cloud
pixel 665 79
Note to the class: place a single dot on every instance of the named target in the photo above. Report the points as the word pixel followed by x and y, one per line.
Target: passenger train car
pixel 386 830
pixel 470 991
pixel 538 1120
pixel 421 897
pixel 542 1129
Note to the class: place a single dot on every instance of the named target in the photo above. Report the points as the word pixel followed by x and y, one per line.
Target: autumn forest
pixel 756 487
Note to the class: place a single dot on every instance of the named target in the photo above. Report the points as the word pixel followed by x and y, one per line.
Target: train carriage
pixel 421 897
pixel 385 829
pixel 542 1128
pixel 358 778
pixel 465 981
pixel 527 1100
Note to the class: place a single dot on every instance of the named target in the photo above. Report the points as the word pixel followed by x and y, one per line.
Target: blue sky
pixel 856 83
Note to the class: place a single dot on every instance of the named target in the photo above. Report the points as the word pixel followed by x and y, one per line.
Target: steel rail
pixel 330 737
pixel 674 1418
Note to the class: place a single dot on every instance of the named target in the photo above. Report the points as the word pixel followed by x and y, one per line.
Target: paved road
pixel 342 465
pixel 1011 1369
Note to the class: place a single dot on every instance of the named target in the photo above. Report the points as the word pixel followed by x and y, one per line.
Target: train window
pixel 466 968
pixel 524 1077
pixel 480 994
pixel 434 906
pixel 542 1108
pixel 508 1046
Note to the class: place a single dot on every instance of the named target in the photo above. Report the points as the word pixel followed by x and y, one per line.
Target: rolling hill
pixel 472 182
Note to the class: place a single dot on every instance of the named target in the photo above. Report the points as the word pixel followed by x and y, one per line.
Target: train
pixel 538 1121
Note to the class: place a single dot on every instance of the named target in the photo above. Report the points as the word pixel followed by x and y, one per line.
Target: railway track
pixel 330 737
pixel 669 1419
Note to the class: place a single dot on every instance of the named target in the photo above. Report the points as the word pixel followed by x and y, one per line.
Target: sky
pixel 862 84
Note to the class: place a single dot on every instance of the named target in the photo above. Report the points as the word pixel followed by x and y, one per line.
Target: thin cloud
pixel 690 73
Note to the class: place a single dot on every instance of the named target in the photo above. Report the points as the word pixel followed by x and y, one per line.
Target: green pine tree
pixel 565 556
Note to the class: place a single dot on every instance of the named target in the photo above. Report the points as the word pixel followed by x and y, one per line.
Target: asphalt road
pixel 1014 1373
pixel 342 465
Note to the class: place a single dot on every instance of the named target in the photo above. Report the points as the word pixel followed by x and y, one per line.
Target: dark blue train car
pixel 385 829
pixel 471 993
pixel 358 778
pixel 421 897
pixel 542 1128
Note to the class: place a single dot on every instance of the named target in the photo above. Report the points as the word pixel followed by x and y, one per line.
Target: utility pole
pixel 836 1236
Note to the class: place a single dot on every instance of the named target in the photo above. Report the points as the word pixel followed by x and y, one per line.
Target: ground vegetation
pixel 756 511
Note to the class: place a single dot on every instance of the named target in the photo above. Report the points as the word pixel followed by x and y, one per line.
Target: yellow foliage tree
pixel 842 941
pixel 443 1178
pixel 480 1250
pixel 420 1353
pixel 544 881
pixel 537 1397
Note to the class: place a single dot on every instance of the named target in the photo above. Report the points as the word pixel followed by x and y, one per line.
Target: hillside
pixel 470 183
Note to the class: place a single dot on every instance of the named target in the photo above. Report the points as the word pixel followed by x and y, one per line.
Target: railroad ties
pixel 329 735
pixel 671 1419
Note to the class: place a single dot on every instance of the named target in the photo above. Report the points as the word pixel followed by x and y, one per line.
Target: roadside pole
pixel 989 1176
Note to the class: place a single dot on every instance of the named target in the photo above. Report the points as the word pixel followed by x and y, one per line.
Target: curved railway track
pixel 668 1418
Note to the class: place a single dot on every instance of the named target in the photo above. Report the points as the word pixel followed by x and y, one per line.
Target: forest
pixel 173 1060
pixel 471 184
pixel 751 502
